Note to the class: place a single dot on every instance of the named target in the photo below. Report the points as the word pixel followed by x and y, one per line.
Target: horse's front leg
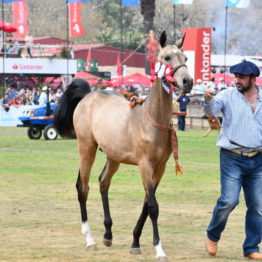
pixel 151 178
pixel 135 248
pixel 104 181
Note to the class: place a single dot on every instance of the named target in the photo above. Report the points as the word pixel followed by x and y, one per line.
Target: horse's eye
pixel 167 58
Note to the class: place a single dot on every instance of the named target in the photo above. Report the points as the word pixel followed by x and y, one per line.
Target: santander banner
pixel 38 66
pixel 76 28
pixel 20 18
pixel 199 41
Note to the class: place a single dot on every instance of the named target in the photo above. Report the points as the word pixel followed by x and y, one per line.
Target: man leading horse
pixel 240 143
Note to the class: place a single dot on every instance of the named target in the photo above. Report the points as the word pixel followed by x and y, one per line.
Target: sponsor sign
pixel 20 14
pixel 199 40
pixel 38 66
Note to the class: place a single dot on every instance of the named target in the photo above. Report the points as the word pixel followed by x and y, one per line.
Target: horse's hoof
pixel 107 242
pixel 92 247
pixel 162 259
pixel 135 251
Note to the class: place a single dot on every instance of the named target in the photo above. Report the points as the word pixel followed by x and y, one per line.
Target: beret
pixel 245 68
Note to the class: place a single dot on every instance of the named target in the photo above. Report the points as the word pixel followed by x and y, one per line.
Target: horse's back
pixel 102 113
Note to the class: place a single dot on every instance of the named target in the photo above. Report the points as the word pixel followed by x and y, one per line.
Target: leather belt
pixel 248 154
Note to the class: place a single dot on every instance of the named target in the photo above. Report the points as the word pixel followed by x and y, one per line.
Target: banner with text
pixel 199 40
pixel 76 28
pixel 20 18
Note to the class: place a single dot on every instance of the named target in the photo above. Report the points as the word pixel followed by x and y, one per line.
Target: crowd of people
pixel 14 97
pixel 200 88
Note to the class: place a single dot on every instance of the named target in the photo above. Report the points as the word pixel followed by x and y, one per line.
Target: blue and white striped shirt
pixel 240 123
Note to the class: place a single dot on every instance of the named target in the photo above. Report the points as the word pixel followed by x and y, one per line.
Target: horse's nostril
pixel 185 81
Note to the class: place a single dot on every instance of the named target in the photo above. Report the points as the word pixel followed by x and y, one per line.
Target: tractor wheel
pixel 34 132
pixel 50 132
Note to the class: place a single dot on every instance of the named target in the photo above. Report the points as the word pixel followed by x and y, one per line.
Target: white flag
pixel 184 2
pixel 238 3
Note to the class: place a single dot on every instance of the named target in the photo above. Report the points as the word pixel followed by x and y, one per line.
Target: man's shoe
pixel 211 247
pixel 255 256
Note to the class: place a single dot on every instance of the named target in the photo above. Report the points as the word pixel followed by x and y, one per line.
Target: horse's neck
pixel 159 104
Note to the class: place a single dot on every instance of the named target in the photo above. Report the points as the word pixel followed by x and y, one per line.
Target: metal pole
pixel 225 45
pixel 67 44
pixel 174 12
pixel 121 34
pixel 3 42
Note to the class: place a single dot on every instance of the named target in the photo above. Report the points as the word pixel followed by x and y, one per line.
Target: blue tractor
pixel 40 119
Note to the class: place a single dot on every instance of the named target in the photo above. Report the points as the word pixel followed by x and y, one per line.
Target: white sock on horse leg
pixel 87 233
pixel 159 250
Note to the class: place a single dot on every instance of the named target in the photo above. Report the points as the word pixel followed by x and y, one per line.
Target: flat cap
pixel 245 68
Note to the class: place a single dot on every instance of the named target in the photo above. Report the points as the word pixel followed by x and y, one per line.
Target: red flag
pixel 20 18
pixel 76 28
pixel 88 60
pixel 118 66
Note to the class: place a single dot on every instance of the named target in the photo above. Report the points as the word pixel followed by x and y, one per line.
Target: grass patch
pixel 40 217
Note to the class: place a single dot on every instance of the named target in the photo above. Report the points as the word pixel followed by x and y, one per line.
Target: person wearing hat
pixel 43 96
pixel 199 88
pixel 240 143
pixel 221 85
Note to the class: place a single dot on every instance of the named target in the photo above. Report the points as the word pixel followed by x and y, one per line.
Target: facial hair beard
pixel 242 89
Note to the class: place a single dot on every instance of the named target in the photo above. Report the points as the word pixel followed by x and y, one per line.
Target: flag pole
pixel 121 33
pixel 3 43
pixel 174 12
pixel 67 38
pixel 225 44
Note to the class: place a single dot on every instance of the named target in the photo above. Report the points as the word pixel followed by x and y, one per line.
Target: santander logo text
pixel 206 56
pixel 27 67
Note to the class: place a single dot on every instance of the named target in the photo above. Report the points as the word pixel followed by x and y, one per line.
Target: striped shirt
pixel 240 124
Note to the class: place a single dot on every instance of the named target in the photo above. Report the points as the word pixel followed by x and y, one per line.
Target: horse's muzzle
pixel 187 85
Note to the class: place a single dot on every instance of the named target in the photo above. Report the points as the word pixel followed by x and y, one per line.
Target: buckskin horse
pixel 137 136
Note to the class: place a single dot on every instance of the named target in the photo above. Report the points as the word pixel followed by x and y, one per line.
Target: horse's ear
pixel 180 42
pixel 163 39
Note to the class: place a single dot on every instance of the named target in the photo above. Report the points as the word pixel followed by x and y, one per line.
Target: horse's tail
pixel 63 117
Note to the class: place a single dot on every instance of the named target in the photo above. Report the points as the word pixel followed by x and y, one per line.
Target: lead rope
pixel 174 140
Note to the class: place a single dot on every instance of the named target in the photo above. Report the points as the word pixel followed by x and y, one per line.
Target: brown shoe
pixel 211 247
pixel 255 256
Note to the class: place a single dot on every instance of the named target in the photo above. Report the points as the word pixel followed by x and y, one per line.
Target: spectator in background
pixel 15 101
pixel 199 88
pixel 43 96
pixel 4 102
pixel 212 85
pixel 35 96
pixel 58 93
pixel 29 45
pixel 183 101
pixel 16 48
pixel 221 85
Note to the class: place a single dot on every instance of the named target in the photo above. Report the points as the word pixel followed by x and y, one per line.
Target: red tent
pixel 228 78
pixel 91 79
pixel 259 81
pixel 7 27
pixel 133 79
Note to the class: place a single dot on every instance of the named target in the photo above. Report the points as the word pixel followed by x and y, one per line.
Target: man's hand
pixel 208 95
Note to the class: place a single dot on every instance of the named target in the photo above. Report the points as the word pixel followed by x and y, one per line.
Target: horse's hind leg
pixel 104 181
pixel 87 157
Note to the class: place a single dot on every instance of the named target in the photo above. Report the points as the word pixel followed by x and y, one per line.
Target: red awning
pixel 91 79
pixel 133 79
pixel 228 78
pixel 7 27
